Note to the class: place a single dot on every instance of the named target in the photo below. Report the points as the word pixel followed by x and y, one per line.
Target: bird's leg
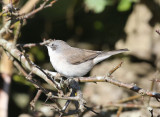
pixel 78 93
pixel 68 101
pixel 70 84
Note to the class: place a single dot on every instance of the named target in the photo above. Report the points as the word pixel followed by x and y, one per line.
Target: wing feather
pixel 77 56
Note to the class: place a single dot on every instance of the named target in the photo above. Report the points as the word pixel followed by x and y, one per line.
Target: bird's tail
pixel 105 55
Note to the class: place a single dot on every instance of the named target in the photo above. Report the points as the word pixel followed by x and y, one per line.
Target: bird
pixel 73 62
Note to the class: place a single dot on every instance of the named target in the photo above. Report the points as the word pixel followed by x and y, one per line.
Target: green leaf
pixel 96 5
pixel 124 5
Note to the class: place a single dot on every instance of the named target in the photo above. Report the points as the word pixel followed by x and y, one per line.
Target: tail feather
pixel 105 55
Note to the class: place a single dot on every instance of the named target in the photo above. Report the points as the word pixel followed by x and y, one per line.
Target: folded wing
pixel 77 56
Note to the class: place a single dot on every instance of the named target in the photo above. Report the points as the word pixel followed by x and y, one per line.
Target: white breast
pixel 61 65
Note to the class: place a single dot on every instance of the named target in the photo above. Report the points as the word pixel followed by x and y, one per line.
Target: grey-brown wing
pixel 77 56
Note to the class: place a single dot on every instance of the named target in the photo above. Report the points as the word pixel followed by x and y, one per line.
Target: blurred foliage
pixel 124 5
pixel 21 99
pixel 38 54
pixel 21 79
pixel 97 6
pixel 98 25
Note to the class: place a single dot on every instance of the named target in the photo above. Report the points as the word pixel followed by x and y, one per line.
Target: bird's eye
pixel 53 46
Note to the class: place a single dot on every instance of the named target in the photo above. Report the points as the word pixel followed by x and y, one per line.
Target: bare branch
pixel 129 98
pixel 16 36
pixel 9 47
pixel 132 87
pixel 28 6
pixel 42 6
pixel 32 103
pixel 119 111
pixel 34 44
pixel 127 105
pixel 35 83
pixel 5 28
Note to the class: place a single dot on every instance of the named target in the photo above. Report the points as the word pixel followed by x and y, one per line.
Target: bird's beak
pixel 47 42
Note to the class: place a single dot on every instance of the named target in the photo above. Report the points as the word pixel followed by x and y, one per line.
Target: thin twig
pixel 152 84
pixel 65 98
pixel 35 44
pixel 127 105
pixel 151 111
pixel 158 31
pixel 42 6
pixel 5 28
pixel 129 99
pixel 28 6
pixel 114 69
pixel 91 109
pixel 16 36
pixel 32 103
pixel 119 111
